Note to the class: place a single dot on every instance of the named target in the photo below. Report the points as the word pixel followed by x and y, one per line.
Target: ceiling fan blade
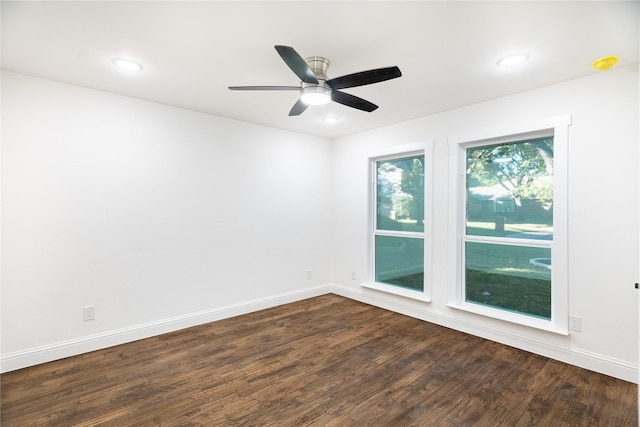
pixel 352 101
pixel 264 87
pixel 364 78
pixel 298 108
pixel 297 64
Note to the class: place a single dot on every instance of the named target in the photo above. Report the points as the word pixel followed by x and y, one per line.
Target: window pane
pixel 510 189
pixel 514 278
pixel 400 261
pixel 400 194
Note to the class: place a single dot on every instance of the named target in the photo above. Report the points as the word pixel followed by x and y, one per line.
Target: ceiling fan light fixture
pixel 315 95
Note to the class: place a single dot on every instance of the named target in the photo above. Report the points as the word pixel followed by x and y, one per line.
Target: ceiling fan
pixel 316 89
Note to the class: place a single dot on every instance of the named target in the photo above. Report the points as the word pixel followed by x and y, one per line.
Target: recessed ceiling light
pixel 330 119
pixel 513 59
pixel 127 64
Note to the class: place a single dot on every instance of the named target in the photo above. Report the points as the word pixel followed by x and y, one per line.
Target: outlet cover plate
pixel 575 323
pixel 89 313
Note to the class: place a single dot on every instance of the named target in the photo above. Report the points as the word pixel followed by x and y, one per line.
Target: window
pixel 511 233
pixel 399 222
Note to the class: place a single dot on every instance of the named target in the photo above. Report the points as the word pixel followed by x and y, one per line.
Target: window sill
pixel 520 319
pixel 396 290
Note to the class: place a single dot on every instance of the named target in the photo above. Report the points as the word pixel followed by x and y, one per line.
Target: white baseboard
pixel 578 357
pixel 574 356
pixel 60 350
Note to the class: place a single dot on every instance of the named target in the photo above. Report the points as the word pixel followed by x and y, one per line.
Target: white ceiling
pixel 191 51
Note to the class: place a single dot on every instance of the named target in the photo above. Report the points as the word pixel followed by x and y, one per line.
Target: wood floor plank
pixel 325 361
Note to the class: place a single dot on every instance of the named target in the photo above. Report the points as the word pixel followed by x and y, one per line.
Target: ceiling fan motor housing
pixel 319 66
pixel 316 94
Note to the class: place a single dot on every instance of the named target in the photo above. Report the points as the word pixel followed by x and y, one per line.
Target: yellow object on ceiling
pixel 605 63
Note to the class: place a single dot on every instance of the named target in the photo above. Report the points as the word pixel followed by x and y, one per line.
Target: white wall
pixel 603 216
pixel 160 217
pixel 164 218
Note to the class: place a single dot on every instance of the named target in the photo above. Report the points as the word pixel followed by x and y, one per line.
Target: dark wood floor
pixel 326 361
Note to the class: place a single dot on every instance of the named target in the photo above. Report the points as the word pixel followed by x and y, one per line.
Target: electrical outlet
pixel 309 274
pixel 353 275
pixel 89 313
pixel 575 323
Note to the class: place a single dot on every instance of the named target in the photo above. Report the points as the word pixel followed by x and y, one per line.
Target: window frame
pixel 559 128
pixel 398 152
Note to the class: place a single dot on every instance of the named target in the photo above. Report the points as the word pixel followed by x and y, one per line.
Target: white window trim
pixel 421 148
pixel 559 127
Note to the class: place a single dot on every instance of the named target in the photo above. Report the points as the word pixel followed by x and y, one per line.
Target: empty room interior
pixel 320 213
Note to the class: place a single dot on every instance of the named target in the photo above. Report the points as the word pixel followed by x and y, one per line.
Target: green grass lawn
pixel 413 281
pixel 513 293
pixel 507 259
pixel 498 275
pixel 502 276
